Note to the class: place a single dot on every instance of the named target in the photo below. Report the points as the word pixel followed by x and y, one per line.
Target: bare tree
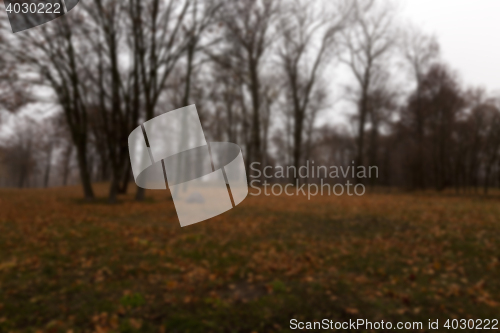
pixel 367 43
pixel 158 43
pixel 301 28
pixel 113 105
pixel 201 18
pixel 248 27
pixel 56 59
pixel 13 93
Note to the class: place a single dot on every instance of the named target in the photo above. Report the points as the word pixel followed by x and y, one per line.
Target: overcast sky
pixel 468 33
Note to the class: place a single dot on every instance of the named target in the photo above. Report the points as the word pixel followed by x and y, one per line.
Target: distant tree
pixel 443 101
pixel 382 105
pixel 491 138
pixel 420 52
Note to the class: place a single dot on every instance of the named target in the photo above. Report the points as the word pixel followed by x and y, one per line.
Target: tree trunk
pixel 67 160
pixel 361 134
pixel 84 172
pixel 419 167
pixel 113 188
pixel 140 195
pixel 255 154
pixel 297 141
pixel 47 168
pixel 123 188
pixel 189 69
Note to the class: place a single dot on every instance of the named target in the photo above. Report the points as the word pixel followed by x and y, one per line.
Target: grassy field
pixel 71 266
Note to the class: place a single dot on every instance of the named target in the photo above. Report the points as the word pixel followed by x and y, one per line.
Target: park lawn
pixel 67 265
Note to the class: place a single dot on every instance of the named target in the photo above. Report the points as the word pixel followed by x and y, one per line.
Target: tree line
pixel 260 73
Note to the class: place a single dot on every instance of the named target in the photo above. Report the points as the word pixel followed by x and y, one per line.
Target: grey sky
pixel 466 30
pixel 468 33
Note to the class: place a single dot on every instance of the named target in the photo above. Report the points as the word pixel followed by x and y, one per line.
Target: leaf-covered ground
pixel 71 266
